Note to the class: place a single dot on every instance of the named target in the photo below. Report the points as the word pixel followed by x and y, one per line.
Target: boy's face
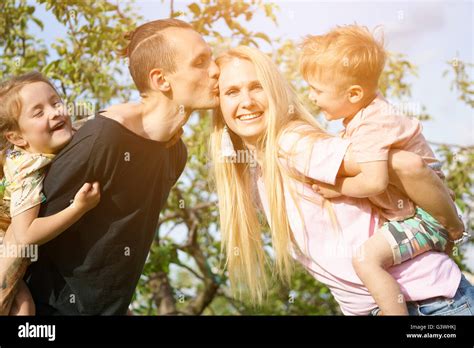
pixel 45 126
pixel 195 81
pixel 333 103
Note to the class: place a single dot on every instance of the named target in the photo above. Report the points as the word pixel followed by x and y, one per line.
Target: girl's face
pixel 243 102
pixel 45 126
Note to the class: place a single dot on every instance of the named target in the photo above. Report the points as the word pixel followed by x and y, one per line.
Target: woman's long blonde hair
pixel 240 227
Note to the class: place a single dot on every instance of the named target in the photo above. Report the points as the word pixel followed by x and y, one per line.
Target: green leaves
pixel 462 82
pixel 195 9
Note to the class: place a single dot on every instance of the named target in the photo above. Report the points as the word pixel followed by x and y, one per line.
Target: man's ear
pixel 16 139
pixel 355 94
pixel 158 81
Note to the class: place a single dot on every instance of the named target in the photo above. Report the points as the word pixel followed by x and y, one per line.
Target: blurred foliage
pixel 462 81
pixel 184 272
pixel 82 61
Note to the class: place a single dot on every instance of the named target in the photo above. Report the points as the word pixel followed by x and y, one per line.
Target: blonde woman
pixel 261 114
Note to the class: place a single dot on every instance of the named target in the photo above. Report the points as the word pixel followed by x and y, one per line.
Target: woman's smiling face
pixel 243 102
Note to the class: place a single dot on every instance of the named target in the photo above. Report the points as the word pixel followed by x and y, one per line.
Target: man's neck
pixel 156 119
pixel 162 119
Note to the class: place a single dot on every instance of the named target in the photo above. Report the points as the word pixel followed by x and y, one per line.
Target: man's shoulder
pixel 96 125
pixel 100 131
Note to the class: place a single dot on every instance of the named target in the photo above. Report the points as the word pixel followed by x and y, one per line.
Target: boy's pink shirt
pixel 327 252
pixel 373 131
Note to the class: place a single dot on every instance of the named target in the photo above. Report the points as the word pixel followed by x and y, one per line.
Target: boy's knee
pixel 407 164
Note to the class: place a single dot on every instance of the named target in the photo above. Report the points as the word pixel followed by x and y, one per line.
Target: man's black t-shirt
pixel 94 266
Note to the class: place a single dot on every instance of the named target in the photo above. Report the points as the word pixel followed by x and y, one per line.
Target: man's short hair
pixel 149 49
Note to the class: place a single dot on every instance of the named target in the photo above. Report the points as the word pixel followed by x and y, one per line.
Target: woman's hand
pixel 87 197
pixel 325 190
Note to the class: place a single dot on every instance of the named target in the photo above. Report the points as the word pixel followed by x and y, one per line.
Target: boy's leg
pixel 409 173
pixel 23 303
pixel 370 265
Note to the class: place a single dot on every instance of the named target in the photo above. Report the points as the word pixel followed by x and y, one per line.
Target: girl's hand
pixel 326 190
pixel 87 197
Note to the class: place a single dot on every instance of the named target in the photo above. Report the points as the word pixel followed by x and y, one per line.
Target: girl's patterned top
pixel 23 181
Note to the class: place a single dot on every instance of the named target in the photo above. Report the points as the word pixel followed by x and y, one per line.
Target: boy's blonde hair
pixel 346 55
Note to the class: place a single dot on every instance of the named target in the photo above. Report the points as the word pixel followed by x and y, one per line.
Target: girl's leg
pixel 23 303
pixel 370 265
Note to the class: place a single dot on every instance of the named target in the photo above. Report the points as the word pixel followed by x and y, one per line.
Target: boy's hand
pixel 325 190
pixel 87 197
pixel 450 248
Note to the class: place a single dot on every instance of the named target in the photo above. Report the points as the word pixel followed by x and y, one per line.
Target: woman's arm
pixel 28 228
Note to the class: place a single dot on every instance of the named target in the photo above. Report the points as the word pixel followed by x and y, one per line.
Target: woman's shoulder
pixel 305 134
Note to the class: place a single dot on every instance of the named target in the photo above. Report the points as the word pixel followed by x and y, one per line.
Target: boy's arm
pixel 28 228
pixel 371 181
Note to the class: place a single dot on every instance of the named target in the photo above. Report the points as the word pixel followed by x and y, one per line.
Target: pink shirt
pixel 373 131
pixel 328 252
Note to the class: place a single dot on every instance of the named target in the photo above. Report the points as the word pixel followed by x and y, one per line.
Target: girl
pixel 34 126
pixel 261 113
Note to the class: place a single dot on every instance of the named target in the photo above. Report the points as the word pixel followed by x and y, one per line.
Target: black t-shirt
pixel 94 266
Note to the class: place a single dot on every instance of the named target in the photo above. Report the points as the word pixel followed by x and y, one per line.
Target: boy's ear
pixel 16 139
pixel 355 94
pixel 158 81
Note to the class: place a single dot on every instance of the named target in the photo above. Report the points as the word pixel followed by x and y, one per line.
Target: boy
pixel 343 68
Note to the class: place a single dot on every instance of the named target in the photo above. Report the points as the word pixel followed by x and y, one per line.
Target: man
pixel 94 266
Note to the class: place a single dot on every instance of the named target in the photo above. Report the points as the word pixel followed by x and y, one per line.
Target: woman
pixel 262 114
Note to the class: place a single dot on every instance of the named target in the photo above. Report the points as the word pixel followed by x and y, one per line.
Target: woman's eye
pixel 231 92
pixel 38 114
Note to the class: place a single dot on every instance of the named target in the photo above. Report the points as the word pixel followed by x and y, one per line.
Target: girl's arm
pixel 28 228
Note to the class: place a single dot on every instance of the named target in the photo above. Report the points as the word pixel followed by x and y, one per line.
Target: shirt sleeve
pixel 25 175
pixel 319 159
pixel 377 133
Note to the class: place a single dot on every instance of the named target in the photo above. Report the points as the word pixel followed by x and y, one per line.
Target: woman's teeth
pixel 249 116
